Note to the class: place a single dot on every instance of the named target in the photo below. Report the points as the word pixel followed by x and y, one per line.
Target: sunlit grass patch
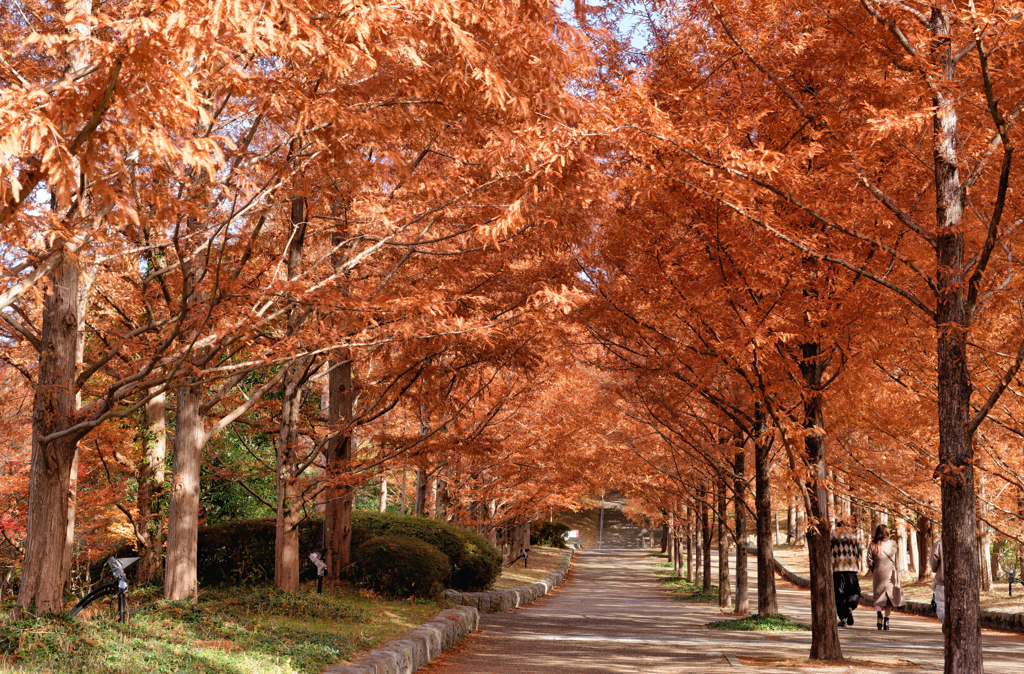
pixel 772 622
pixel 683 590
pixel 242 630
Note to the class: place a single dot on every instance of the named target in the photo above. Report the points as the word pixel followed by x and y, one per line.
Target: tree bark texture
pixel 670 530
pixel 767 602
pixel 150 529
pixel 43 573
pixel 705 539
pixel 724 583
pixel 180 579
pixel 690 530
pixel 340 499
pixel 742 605
pixel 824 625
pixel 952 321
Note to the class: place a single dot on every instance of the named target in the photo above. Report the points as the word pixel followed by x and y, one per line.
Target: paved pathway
pixel 613 617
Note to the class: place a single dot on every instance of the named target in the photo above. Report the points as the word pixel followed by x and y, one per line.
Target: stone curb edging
pixel 991 619
pixel 421 644
pixel 503 601
pixel 417 647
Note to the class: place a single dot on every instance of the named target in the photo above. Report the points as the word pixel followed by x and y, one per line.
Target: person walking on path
pixel 885 578
pixel 938 584
pixel 845 566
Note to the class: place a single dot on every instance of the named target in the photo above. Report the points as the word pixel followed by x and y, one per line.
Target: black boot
pixel 849 621
pixel 885 625
pixel 879 624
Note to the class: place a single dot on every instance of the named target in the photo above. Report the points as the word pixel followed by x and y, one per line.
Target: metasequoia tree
pixel 770 133
pixel 187 161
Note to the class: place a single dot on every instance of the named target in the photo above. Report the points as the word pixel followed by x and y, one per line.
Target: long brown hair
pixel 881 534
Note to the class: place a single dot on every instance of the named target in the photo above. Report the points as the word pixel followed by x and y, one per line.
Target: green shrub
pixel 233 553
pixel 242 552
pixel 401 566
pixel 474 561
pixel 549 533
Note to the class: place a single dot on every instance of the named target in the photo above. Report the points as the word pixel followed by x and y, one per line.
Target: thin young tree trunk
pixel 670 529
pixel 724 584
pixel 791 523
pixel 984 537
pixel 705 536
pixel 183 513
pixel 383 505
pixel 926 539
pixel 441 499
pixel 690 532
pixel 151 486
pixel 766 596
pixel 742 606
pixel 421 492
pixel 824 626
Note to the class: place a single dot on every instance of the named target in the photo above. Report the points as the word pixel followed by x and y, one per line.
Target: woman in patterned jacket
pixel 845 565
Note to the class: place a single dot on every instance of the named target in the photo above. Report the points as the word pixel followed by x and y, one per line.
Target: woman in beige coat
pixel 882 564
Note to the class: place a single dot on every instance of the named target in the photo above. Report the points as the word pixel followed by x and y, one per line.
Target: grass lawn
pixel 683 590
pixel 230 631
pixel 774 622
pixel 543 562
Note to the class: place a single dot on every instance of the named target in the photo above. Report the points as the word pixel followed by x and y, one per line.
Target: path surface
pixel 613 617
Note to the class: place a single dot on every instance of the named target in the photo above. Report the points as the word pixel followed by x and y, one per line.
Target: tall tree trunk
pixel 926 539
pixel 341 497
pixel 150 528
pixel 43 572
pixel 180 574
pixel 791 523
pixel 690 532
pixel 670 530
pixel 824 627
pixel 914 554
pixel 289 498
pixel 664 532
pixel 289 454
pixel 952 321
pixel 984 537
pixel 421 492
pixel 739 495
pixel 340 416
pixel 766 597
pixel 383 505
pixel 724 584
pixel 441 499
pixel 705 538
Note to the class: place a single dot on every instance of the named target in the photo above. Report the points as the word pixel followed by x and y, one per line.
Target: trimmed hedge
pixel 242 552
pixel 474 561
pixel 549 533
pixel 401 566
